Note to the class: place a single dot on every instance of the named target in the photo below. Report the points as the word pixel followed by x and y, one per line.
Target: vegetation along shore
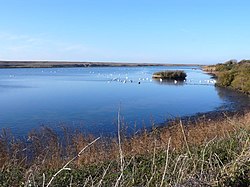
pixel 232 74
pixel 201 153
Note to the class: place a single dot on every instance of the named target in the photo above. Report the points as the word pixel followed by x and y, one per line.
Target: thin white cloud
pixel 25 47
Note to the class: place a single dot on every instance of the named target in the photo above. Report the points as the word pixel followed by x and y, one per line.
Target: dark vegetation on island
pixel 232 74
pixel 170 75
pixel 58 64
pixel 198 153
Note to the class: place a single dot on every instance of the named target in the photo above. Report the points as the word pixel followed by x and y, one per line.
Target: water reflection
pixel 233 100
pixel 169 82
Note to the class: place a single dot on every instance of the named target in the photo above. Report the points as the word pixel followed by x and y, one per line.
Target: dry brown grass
pixel 196 133
pixel 45 150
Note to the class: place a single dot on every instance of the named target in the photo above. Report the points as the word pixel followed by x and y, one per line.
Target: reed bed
pixel 204 152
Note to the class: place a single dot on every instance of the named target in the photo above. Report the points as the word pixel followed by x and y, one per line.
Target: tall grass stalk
pixel 120 150
pixel 65 167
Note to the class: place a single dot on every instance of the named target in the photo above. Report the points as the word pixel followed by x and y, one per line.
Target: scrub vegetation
pixel 172 75
pixel 232 74
pixel 203 152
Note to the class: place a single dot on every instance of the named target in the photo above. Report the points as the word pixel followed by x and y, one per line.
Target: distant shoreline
pixel 64 64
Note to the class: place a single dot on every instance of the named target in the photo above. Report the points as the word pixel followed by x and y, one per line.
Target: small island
pixel 170 75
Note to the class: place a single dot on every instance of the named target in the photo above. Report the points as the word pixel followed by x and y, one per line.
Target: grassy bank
pixel 202 153
pixel 232 74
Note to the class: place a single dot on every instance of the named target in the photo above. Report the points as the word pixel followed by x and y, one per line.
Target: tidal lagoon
pixel 89 98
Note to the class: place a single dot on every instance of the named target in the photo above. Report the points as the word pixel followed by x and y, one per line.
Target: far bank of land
pixel 57 64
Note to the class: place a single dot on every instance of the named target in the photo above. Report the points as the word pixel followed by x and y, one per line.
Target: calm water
pixel 89 98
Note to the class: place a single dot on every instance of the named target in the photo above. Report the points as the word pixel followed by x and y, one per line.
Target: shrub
pixel 225 78
pixel 234 75
pixel 174 75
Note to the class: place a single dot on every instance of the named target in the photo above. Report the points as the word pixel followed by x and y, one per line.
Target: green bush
pixel 226 66
pixel 234 75
pixel 225 79
pixel 241 82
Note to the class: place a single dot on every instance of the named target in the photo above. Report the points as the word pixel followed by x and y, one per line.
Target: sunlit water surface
pixel 89 98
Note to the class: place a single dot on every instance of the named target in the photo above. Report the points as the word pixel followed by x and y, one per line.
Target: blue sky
pixel 166 31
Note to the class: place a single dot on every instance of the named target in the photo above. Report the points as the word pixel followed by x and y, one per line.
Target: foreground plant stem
pixel 74 158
